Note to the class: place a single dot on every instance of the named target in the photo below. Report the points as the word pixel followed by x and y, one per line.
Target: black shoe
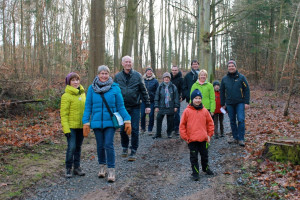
pixel 132 156
pixel 216 136
pixel 156 136
pixel 68 173
pixel 222 135
pixel 170 135
pixel 124 153
pixel 209 172
pixel 176 133
pixel 195 177
pixel 78 171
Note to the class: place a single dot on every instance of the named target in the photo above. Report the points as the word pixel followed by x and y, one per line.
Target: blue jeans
pixel 237 112
pixel 177 120
pixel 74 148
pixel 143 117
pixel 135 123
pixel 105 146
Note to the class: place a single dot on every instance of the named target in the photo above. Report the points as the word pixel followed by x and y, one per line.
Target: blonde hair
pixel 202 71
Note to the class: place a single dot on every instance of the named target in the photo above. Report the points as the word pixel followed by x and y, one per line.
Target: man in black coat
pixel 177 80
pixel 189 79
pixel 133 90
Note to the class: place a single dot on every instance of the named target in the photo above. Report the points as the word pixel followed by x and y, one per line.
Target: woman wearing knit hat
pixel 151 84
pixel 196 128
pixel 71 112
pixel 166 102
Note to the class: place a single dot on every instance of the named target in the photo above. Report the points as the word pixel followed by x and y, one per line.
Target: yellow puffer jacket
pixel 71 108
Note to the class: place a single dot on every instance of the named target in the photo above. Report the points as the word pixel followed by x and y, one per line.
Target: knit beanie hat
pixel 195 93
pixel 167 74
pixel 216 83
pixel 231 62
pixel 70 76
pixel 148 68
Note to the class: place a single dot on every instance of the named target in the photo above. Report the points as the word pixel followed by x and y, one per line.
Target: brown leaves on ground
pixel 30 130
pixel 265 122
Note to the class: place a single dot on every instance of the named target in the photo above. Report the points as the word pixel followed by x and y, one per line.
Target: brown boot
pixel 111 177
pixel 102 171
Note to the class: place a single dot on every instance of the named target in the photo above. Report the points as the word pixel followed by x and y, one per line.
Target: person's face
pixel 149 73
pixel 231 68
pixel 175 71
pixel 217 87
pixel 167 79
pixel 75 82
pixel 202 77
pixel 103 76
pixel 197 101
pixel 127 64
pixel 195 66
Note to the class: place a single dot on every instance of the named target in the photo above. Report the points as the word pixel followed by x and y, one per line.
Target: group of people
pixel 134 96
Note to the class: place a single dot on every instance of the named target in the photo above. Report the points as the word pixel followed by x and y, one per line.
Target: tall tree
pixel 97 37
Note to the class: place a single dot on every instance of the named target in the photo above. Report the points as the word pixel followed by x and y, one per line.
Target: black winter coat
pixel 189 79
pixel 159 100
pixel 133 88
pixel 234 89
pixel 178 82
pixel 151 85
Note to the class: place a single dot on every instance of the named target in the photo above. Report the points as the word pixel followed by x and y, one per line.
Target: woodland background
pixel 43 40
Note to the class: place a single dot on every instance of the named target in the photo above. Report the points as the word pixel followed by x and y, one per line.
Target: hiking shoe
pixel 132 156
pixel 78 171
pixel 209 172
pixel 124 153
pixel 169 136
pixel 68 173
pixel 241 143
pixel 233 141
pixel 102 171
pixel 176 133
pixel 222 135
pixel 111 176
pixel 142 131
pixel 195 177
pixel 150 133
pixel 156 136
pixel 216 136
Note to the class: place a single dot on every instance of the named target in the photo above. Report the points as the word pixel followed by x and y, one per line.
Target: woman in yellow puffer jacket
pixel 71 112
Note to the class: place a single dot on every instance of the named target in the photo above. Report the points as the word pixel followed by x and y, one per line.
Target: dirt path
pixel 161 171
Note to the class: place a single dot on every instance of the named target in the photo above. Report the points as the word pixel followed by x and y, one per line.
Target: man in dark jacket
pixel 166 102
pixel 189 79
pixel 133 90
pixel 151 84
pixel 235 97
pixel 177 80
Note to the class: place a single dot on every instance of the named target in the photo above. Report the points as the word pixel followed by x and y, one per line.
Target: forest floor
pixel 32 164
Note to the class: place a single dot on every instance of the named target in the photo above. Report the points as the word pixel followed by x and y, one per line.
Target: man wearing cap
pixel 151 84
pixel 235 97
pixel 166 102
pixel 177 80
pixel 189 79
pixel 133 90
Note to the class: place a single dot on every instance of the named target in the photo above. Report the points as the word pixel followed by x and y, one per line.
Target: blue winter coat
pixel 151 85
pixel 96 112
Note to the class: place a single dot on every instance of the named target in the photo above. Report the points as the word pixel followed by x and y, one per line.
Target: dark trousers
pixel 74 148
pixel 195 148
pixel 177 120
pixel 218 117
pixel 170 123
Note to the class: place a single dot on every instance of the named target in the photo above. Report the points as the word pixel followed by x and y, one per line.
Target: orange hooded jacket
pixel 196 125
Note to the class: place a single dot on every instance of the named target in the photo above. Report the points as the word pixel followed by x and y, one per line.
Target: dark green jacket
pixel 234 89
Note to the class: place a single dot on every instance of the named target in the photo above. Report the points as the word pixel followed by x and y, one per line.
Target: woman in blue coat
pixel 96 116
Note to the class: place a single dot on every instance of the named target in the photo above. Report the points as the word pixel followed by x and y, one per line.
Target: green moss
pixel 284 153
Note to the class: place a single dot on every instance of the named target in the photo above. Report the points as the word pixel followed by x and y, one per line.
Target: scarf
pixel 197 107
pixel 148 78
pixel 101 87
pixel 167 94
pixel 195 74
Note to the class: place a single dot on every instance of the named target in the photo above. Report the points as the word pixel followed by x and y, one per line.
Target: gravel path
pixel 162 171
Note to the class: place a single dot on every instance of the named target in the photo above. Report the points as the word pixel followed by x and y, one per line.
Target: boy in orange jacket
pixel 196 128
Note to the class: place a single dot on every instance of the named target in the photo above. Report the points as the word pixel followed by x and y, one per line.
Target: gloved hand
pixel 86 130
pixel 68 135
pixel 127 128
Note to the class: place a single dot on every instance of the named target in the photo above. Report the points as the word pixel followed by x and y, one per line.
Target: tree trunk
pixel 213 53
pixel 75 35
pixel 5 49
pixel 116 36
pixel 170 38
pixel 97 37
pixel 129 29
pixel 152 35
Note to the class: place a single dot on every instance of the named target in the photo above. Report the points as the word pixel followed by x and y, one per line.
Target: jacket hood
pixel 74 91
pixel 179 75
pixel 148 78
